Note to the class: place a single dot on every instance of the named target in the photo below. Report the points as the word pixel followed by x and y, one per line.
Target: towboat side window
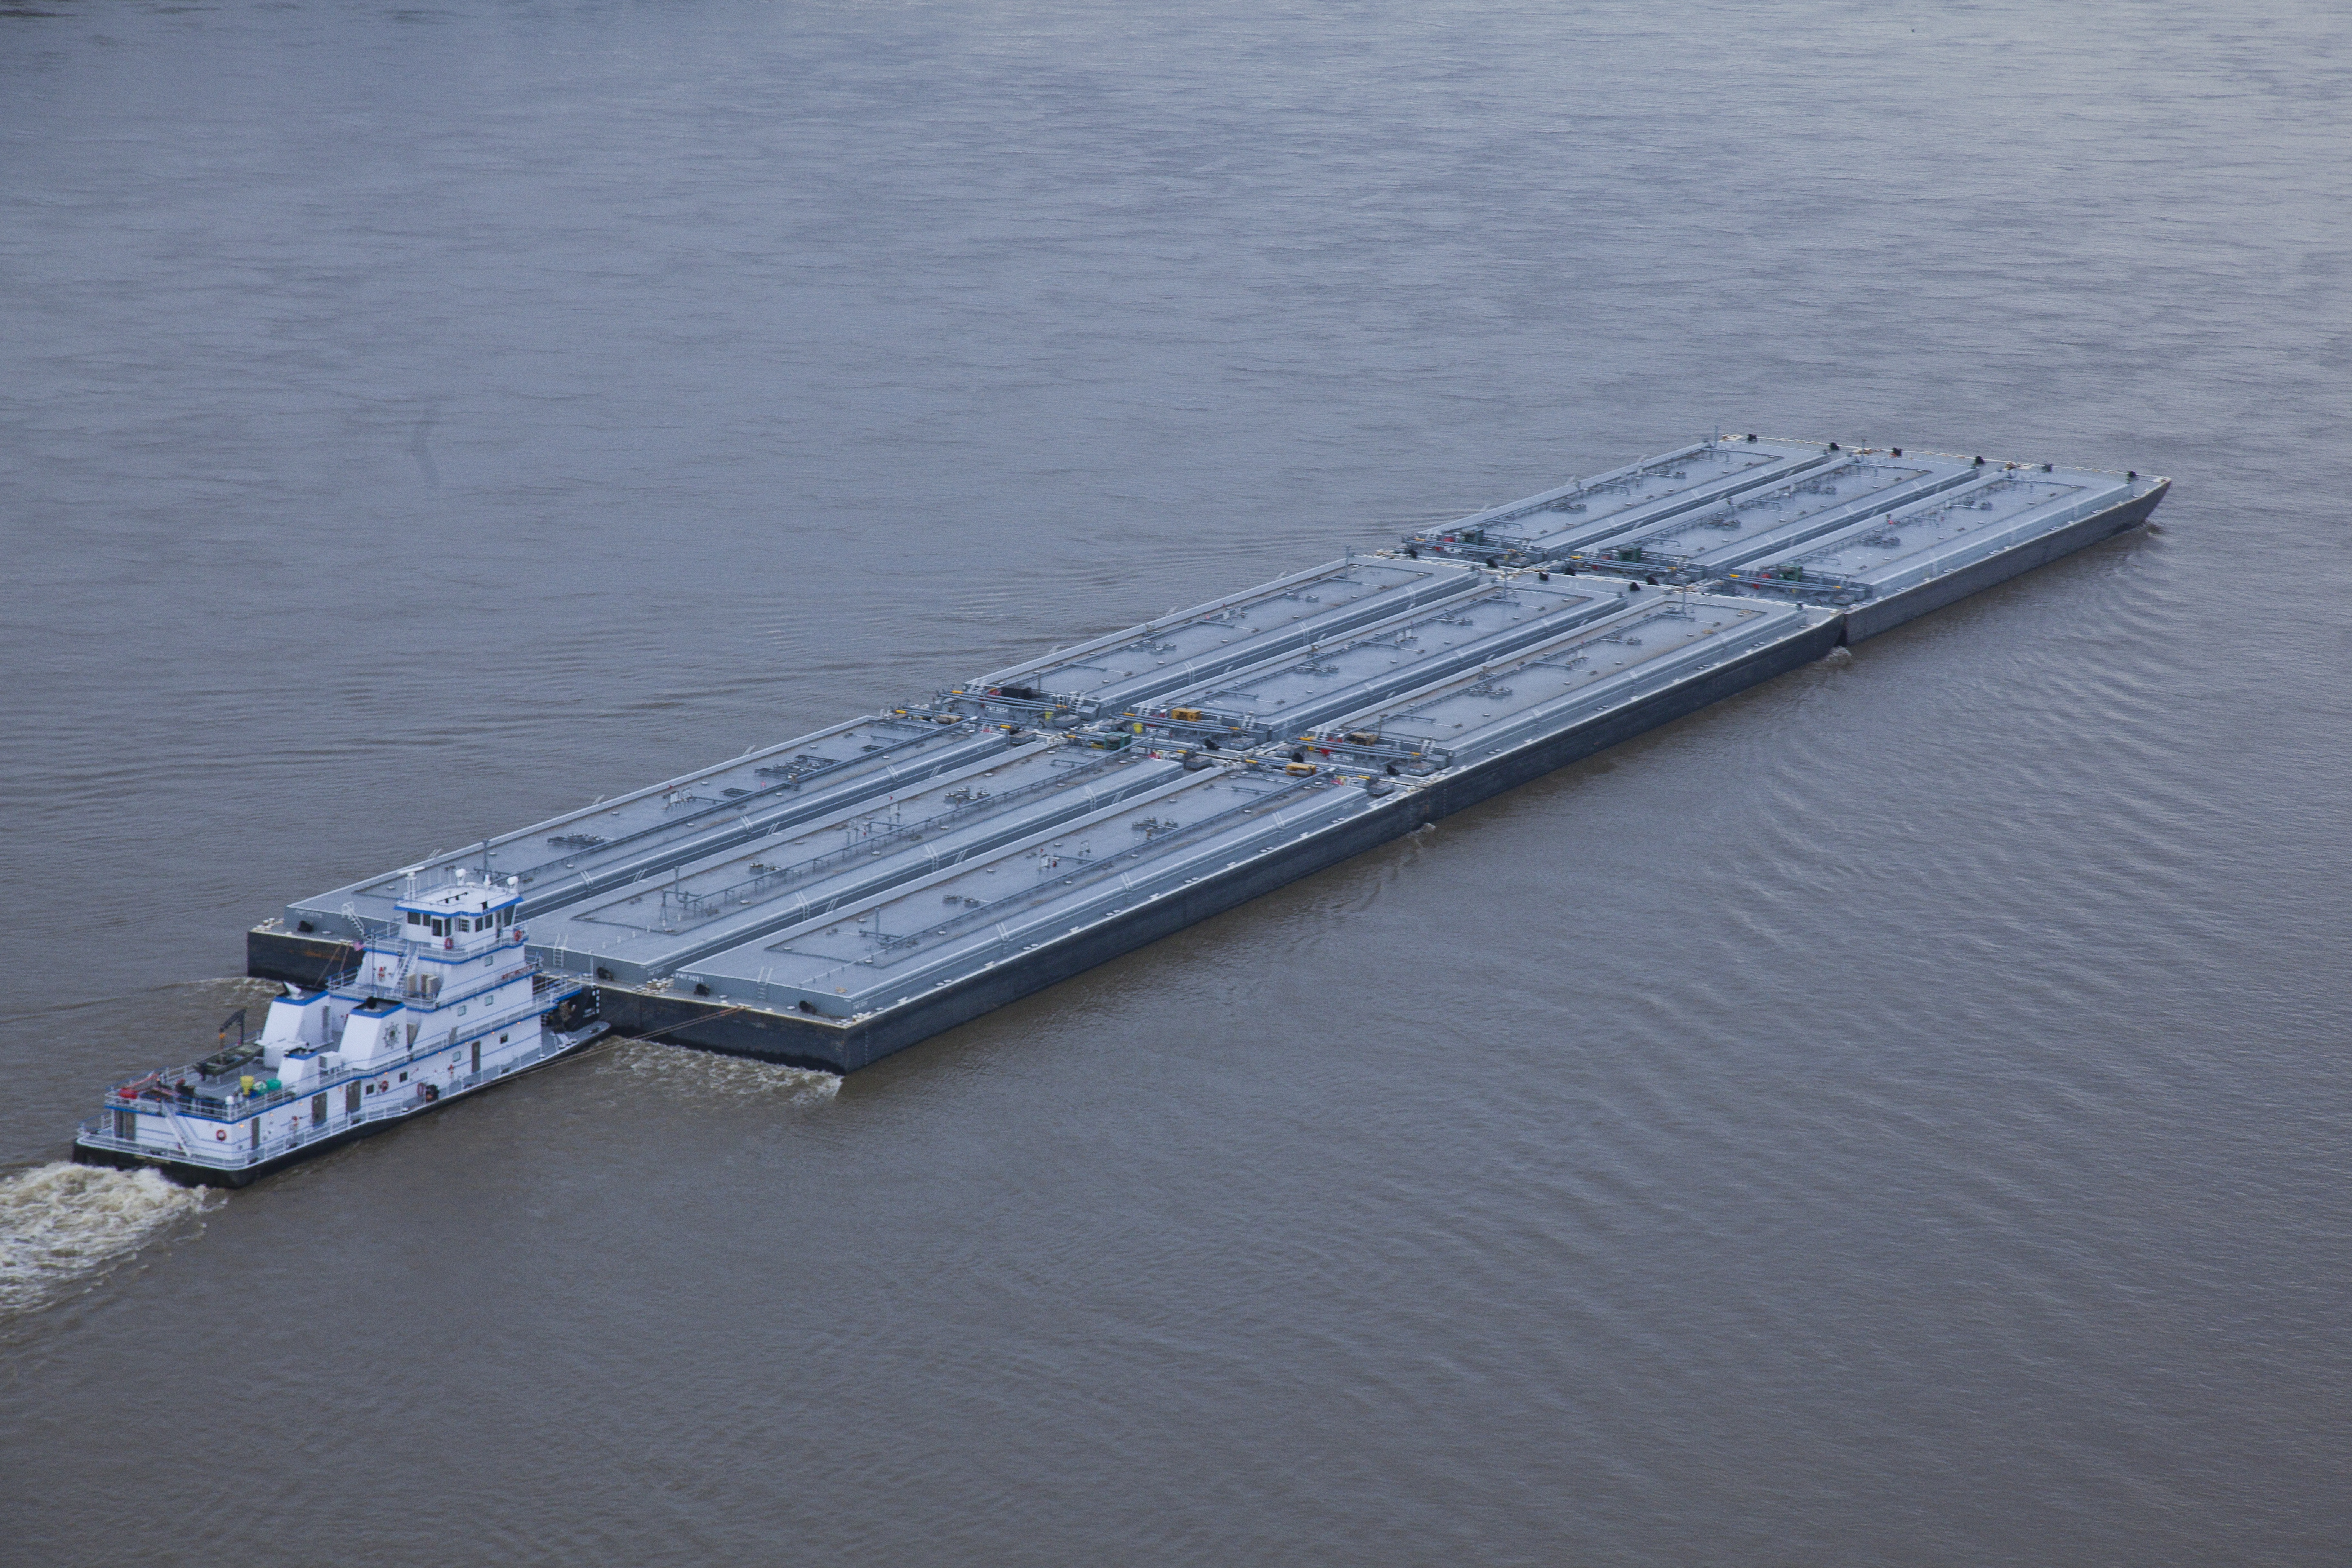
pixel 440 926
pixel 416 918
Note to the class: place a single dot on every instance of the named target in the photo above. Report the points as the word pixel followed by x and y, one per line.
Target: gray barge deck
pixel 838 897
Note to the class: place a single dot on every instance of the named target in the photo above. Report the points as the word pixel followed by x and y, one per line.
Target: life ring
pixel 221 1133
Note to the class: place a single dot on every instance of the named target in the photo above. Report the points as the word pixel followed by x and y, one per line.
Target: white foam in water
pixel 60 1223
pixel 700 1075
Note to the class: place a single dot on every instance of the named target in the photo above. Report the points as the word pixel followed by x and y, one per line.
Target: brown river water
pixel 1897 1116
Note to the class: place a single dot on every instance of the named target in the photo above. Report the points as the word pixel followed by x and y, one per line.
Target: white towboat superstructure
pixel 445 1002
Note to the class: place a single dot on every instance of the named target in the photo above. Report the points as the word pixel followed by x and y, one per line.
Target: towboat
pixel 444 1003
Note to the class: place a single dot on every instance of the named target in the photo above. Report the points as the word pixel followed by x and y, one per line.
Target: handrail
pixel 96 1132
pixel 374 992
pixel 147 1091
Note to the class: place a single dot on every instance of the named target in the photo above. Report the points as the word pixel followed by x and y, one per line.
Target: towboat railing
pixel 236 1154
pixel 396 989
pixel 156 1093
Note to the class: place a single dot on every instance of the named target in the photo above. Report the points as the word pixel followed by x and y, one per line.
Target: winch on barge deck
pixel 832 899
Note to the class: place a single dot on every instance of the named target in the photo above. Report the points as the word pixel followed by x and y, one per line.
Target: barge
pixel 831 899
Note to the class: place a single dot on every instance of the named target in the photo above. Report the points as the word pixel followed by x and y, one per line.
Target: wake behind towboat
pixel 444 1003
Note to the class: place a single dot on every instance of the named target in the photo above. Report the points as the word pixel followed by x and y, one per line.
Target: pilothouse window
pixel 440 927
pixel 416 918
